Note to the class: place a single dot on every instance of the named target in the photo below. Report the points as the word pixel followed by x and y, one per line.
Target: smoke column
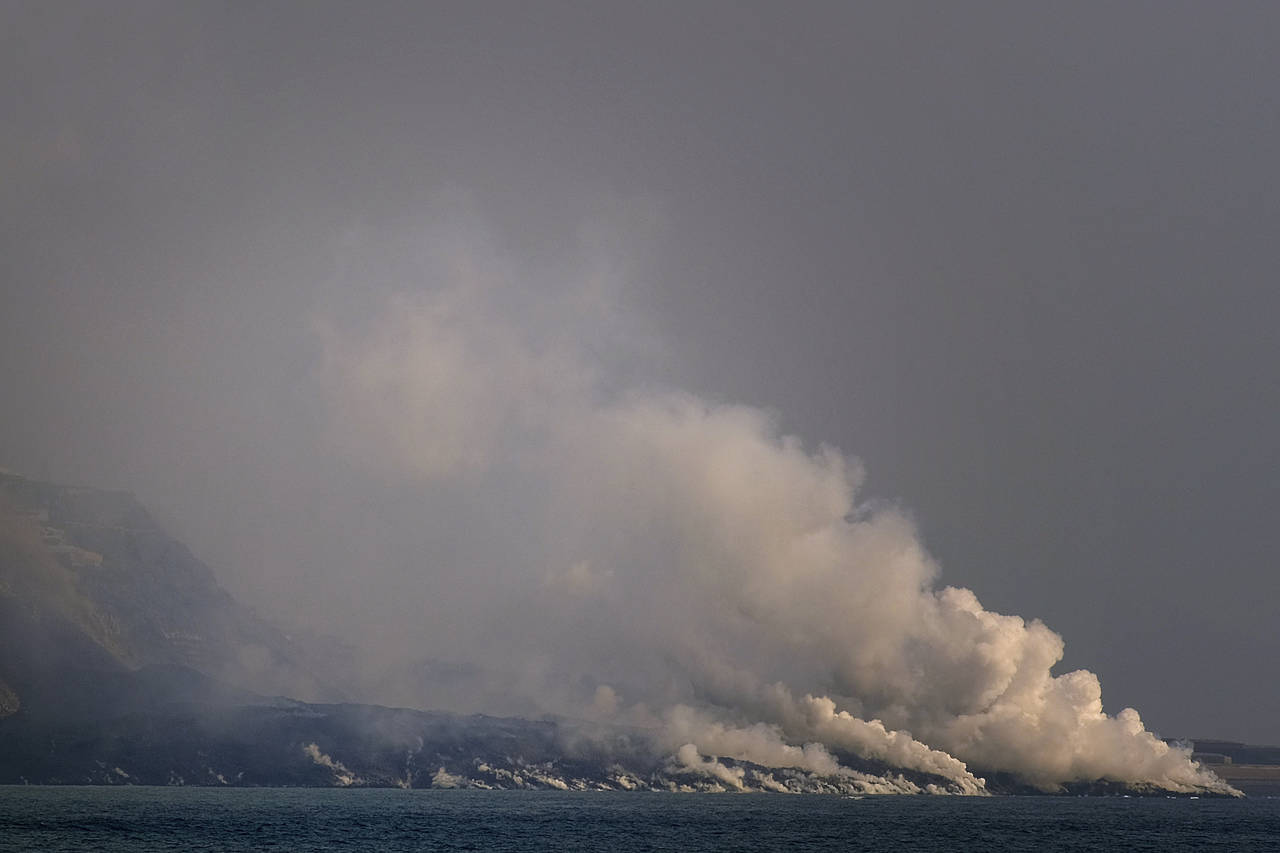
pixel 678 562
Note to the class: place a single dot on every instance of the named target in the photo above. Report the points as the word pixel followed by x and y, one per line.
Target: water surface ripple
pixel 143 820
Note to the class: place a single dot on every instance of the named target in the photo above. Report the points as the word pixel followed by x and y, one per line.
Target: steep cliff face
pixel 89 581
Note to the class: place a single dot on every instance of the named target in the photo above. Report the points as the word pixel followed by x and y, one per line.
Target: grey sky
pixel 1017 258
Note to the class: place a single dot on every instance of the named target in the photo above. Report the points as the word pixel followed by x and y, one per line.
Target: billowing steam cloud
pixel 679 563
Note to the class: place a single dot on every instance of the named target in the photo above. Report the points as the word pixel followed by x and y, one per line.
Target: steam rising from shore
pixel 680 563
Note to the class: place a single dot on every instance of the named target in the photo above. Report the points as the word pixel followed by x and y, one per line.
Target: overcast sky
pixel 1019 259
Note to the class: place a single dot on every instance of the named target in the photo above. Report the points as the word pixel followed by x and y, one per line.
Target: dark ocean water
pixel 208 819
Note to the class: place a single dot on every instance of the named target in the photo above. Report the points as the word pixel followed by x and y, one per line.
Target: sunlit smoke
pixel 681 563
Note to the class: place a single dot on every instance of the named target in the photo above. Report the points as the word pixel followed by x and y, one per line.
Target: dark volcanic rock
pixel 87 577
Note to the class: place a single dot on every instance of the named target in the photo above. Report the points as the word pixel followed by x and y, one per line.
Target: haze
pixel 475 332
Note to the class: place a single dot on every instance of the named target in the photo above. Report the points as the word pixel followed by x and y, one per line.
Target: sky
pixel 1015 261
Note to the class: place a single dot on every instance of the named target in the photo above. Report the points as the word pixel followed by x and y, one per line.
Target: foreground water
pixel 212 819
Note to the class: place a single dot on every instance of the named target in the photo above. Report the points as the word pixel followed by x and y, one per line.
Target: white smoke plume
pixel 341 774
pixel 444 779
pixel 669 560
pixel 688 758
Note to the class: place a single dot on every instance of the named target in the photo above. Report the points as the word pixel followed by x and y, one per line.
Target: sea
pixel 141 820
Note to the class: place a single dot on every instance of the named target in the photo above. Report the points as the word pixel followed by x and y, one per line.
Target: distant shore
pixel 1256 780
